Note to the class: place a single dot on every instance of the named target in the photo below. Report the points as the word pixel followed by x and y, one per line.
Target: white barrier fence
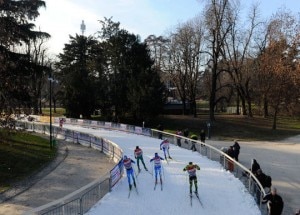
pixel 62 207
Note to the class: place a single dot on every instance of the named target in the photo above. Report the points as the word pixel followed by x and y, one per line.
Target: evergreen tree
pixel 15 68
pixel 77 76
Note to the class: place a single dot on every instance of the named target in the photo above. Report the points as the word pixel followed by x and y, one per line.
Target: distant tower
pixel 82 27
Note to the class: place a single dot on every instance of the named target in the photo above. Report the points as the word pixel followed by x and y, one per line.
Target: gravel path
pixel 74 167
pixel 280 160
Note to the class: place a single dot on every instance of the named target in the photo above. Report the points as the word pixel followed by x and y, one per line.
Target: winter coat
pixel 230 152
pixel 255 166
pixel 236 147
pixel 275 202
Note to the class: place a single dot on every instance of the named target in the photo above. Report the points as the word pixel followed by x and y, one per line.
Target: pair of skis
pixel 161 185
pixel 136 190
pixel 197 196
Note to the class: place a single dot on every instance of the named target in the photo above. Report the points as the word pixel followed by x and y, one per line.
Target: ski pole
pixel 163 169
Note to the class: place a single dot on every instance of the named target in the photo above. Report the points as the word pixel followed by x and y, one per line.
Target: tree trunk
pixel 244 106
pixel 238 105
pixel 249 108
pixel 274 126
pixel 212 98
pixel 266 111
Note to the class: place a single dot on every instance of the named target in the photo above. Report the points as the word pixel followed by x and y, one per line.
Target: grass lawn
pixel 21 154
pixel 228 127
pixel 59 112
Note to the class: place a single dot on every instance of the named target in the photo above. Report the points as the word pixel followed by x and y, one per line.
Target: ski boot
pixel 170 157
pixel 134 184
pixel 139 170
pixel 146 169
pixel 130 186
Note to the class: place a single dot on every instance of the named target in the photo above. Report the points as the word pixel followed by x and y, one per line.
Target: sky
pixel 220 192
pixel 62 18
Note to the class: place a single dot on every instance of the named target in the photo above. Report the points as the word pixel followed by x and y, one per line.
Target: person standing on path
pixel 138 154
pixel 157 166
pixel 193 147
pixel 275 203
pixel 191 170
pixel 160 127
pixel 202 136
pixel 236 150
pixel 230 152
pixel 165 146
pixel 129 170
pixel 179 133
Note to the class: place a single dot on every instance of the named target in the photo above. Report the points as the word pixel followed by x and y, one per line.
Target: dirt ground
pixel 74 167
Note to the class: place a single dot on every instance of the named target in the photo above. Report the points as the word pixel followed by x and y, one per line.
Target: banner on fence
pixel 108 124
pixel 138 130
pixel 116 173
pixel 123 127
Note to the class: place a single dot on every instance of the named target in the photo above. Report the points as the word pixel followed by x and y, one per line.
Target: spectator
pixel 254 166
pixel 230 152
pixel 236 150
pixel 265 180
pixel 202 136
pixel 179 133
pixel 61 122
pixel 275 203
pixel 186 134
pixel 160 127
pixel 194 137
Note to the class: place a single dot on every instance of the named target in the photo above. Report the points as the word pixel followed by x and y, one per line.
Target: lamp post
pixel 51 80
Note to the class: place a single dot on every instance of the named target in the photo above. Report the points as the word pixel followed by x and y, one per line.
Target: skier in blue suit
pixel 129 170
pixel 157 166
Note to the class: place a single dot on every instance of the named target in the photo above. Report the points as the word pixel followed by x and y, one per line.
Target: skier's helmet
pixel 125 157
pixel 190 163
pixel 137 147
pixel 156 154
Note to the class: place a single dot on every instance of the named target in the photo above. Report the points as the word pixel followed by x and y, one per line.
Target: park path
pixel 280 160
pixel 74 167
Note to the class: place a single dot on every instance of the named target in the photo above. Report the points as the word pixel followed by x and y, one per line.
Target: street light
pixel 51 80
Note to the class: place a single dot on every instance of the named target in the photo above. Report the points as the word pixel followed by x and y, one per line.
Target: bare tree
pixel 184 65
pixel 218 22
pixel 237 54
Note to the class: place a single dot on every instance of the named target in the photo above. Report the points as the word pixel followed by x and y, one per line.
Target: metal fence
pixel 249 180
pixel 80 201
pixel 91 195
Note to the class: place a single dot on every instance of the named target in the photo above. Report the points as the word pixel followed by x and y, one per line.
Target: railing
pixel 251 183
pixel 79 201
pixel 246 177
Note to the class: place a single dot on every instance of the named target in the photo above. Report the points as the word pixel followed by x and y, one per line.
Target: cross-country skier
pixel 138 154
pixel 165 146
pixel 191 169
pixel 129 170
pixel 157 166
